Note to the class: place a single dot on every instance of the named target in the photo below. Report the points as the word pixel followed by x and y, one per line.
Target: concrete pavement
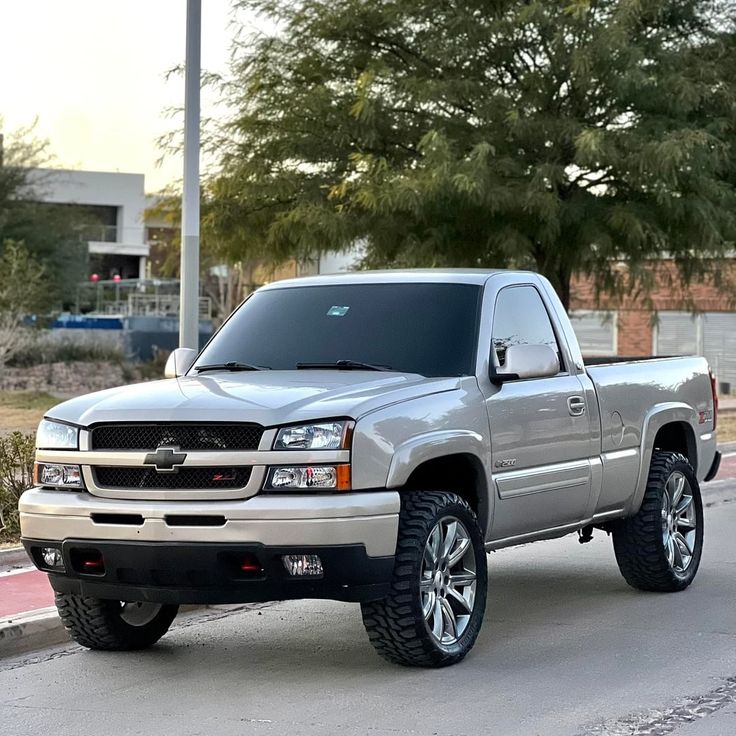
pixel 566 648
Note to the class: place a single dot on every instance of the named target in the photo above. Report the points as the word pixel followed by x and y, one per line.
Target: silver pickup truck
pixel 367 437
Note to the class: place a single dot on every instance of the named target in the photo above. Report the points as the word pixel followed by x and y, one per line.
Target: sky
pixel 93 74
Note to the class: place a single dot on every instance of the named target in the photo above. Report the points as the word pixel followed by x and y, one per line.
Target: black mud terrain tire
pixel 113 625
pixel 659 548
pixel 426 590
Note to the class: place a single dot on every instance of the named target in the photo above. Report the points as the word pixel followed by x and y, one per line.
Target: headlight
pixel 57 475
pixel 56 436
pixel 322 436
pixel 309 478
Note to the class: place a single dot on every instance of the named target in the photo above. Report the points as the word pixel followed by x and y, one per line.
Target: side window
pixel 520 318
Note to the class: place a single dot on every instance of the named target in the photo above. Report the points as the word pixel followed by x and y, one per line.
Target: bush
pixel 49 347
pixel 16 474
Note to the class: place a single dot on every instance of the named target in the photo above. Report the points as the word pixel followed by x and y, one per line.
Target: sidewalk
pixel 24 590
pixel 28 619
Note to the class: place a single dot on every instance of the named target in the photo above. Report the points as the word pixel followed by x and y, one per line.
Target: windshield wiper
pixel 231 365
pixel 345 365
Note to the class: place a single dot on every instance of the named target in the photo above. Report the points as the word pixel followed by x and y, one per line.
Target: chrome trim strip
pixel 621 454
pixel 615 514
pixel 556 477
pixel 198 458
pixel 254 485
pixel 84 440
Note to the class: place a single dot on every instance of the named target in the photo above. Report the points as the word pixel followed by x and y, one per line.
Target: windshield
pixel 428 329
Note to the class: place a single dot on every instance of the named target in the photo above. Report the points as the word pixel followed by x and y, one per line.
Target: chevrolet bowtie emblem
pixel 166 459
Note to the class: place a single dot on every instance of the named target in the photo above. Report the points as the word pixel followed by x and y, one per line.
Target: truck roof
pixel 418 275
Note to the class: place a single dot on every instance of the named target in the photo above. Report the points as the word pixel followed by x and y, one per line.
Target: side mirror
pixel 527 361
pixel 179 362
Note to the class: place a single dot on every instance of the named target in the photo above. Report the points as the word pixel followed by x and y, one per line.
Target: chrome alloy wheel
pixel 679 523
pixel 139 613
pixel 448 580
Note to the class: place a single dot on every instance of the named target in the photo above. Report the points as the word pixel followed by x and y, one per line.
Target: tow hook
pixel 585 534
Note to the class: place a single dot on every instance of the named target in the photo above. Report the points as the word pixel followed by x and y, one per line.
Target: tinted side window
pixel 520 318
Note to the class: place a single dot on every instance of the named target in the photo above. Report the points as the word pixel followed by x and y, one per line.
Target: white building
pixel 113 205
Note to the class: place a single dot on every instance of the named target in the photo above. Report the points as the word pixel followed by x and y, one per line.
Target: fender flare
pixel 416 451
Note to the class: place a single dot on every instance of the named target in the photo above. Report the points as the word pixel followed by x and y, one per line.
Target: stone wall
pixel 63 379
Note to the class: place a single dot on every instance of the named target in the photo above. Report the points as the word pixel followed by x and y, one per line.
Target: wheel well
pixel 677 437
pixel 461 474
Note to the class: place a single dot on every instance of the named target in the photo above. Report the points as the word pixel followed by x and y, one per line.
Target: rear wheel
pixel 114 625
pixel 659 548
pixel 434 610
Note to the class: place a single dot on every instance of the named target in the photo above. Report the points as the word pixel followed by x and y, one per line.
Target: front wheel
pixel 113 625
pixel 434 610
pixel 659 548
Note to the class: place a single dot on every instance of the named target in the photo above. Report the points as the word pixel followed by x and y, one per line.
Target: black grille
pixel 183 436
pixel 184 479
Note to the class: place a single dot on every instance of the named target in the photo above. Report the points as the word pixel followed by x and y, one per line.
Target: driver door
pixel 540 427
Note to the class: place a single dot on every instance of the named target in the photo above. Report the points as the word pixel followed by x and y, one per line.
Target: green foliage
pixel 49 231
pixel 23 283
pixel 554 135
pixel 17 452
pixel 23 289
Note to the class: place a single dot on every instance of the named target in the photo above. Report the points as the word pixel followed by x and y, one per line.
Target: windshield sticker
pixel 337 311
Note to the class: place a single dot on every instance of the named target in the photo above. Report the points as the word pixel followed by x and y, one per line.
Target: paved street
pixel 567 648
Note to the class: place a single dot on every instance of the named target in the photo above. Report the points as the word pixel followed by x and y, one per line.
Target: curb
pixel 28 632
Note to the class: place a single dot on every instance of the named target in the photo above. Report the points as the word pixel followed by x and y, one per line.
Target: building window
pixel 596 331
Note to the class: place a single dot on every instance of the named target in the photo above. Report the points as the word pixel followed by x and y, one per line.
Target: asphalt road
pixel 566 648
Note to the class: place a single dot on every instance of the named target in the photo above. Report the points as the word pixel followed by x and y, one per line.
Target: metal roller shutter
pixel 719 344
pixel 678 333
pixel 596 331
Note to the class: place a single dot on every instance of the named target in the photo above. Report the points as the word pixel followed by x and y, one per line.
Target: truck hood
pixel 265 397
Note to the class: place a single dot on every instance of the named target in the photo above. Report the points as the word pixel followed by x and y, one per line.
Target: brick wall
pixel 637 312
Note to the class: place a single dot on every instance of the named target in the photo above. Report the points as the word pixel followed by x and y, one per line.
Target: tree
pixel 48 231
pixel 23 289
pixel 227 275
pixel 557 135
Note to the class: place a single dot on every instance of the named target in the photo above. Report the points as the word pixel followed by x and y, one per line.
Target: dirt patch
pixel 727 426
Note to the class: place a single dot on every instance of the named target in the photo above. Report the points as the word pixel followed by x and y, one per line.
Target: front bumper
pixel 183 552
pixel 211 573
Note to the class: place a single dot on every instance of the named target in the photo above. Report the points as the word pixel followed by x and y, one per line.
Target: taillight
pixel 714 391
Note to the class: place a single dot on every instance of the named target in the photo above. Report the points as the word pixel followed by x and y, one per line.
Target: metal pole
pixel 189 293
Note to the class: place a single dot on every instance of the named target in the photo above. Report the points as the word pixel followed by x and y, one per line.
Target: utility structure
pixel 189 295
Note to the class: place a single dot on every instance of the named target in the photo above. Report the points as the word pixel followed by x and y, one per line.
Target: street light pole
pixel 189 293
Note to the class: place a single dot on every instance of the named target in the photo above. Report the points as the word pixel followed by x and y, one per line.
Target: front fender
pixel 391 443
pixel 409 455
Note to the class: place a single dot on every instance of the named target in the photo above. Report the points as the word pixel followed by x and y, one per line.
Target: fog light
pixel 302 565
pixel 52 557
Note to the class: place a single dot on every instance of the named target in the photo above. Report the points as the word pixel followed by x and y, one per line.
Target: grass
pixel 23 410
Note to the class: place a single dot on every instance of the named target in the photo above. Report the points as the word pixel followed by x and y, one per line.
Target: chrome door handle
pixel 576 406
